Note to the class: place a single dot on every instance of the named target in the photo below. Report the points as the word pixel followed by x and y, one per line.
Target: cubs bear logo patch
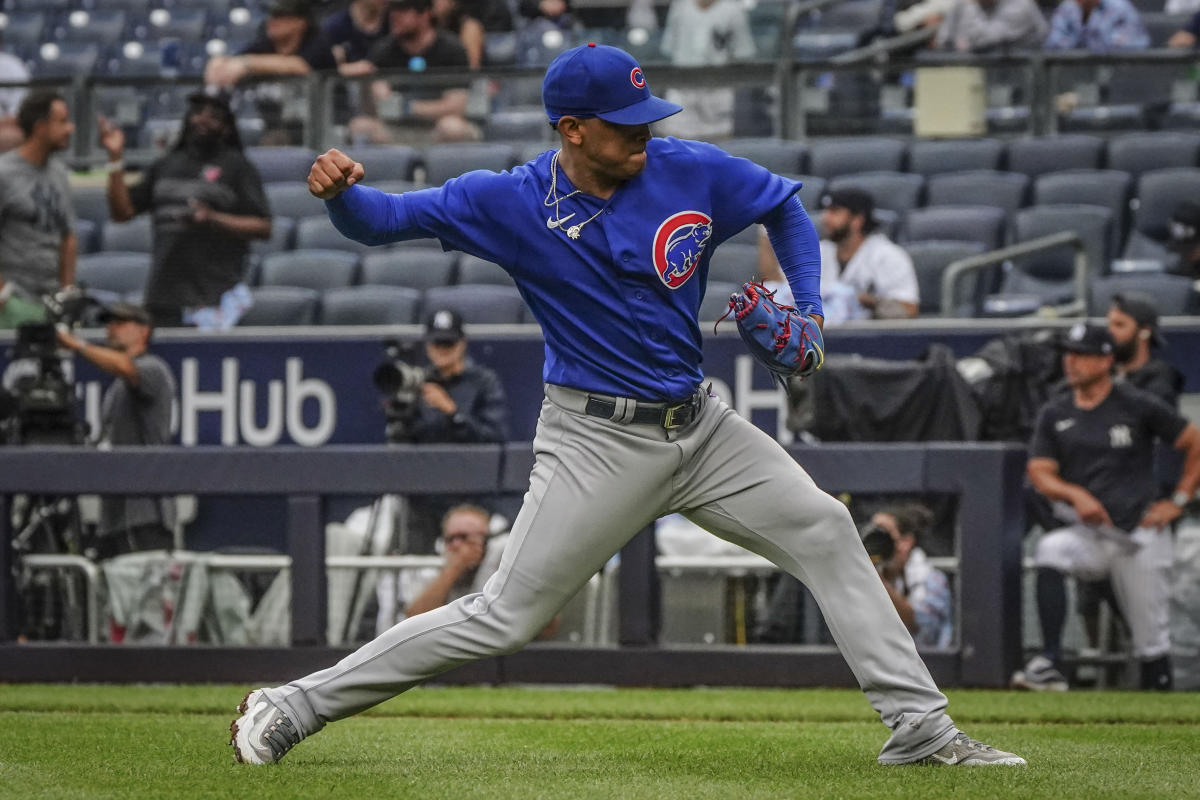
pixel 678 245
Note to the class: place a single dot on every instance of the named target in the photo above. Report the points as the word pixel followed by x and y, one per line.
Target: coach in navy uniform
pixel 1092 455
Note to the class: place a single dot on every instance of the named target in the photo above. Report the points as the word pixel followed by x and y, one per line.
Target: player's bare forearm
pixel 1043 474
pixel 68 253
pixel 452 102
pixel 903 607
pixel 436 592
pixel 241 225
pixel 274 64
pixel 1189 443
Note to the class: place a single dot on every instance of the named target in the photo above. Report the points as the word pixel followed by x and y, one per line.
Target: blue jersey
pixel 618 306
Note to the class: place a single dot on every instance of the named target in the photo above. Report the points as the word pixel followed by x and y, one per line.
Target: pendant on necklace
pixel 574 231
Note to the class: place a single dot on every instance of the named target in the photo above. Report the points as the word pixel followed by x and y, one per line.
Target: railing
pixel 957 270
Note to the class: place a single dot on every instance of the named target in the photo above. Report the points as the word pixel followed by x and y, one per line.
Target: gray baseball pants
pixel 595 483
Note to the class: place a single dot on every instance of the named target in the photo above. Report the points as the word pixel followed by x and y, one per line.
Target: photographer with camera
pixel 920 593
pixel 454 401
pixel 136 410
pixel 37 220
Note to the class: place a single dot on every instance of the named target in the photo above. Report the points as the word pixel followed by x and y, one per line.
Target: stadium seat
pixel 747 235
pixel 930 259
pixel 518 125
pixel 1093 224
pixel 393 162
pixel 531 150
pixel 781 156
pixel 1006 190
pixel 281 305
pixel 932 156
pixel 87 233
pixel 830 157
pixel 113 272
pixel 1171 293
pixel 292 199
pixel 479 304
pixel 446 161
pixel 283 233
pixel 310 269
pixel 472 269
pixel 281 164
pixel 894 191
pixel 393 187
pixel 412 267
pixel 140 6
pixel 318 233
pixel 147 60
pixel 810 192
pixel 25 28
pixel 91 203
pixel 500 49
pixel 1161 26
pixel 1137 153
pixel 1159 193
pixel 1037 156
pixel 716 300
pixel 983 224
pixel 733 263
pixel 370 305
pixel 821 45
pixel 101 26
pixel 185 24
pixel 133 236
pixel 1104 118
pixel 39 5
pixel 1097 187
pixel 65 59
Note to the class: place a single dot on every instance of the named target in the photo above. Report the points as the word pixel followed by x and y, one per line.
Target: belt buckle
pixel 669 417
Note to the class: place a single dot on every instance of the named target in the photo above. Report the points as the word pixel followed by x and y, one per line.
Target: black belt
pixel 665 415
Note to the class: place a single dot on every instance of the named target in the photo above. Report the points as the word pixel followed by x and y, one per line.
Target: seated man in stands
pixel 981 26
pixel 290 43
pixel 418 115
pixel 1101 26
pixel 863 273
pixel 1133 325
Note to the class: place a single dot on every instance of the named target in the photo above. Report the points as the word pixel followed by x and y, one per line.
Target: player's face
pixel 838 223
pixel 618 152
pixel 57 127
pixel 462 529
pixel 1124 331
pixel 1083 370
pixel 124 335
pixel 447 357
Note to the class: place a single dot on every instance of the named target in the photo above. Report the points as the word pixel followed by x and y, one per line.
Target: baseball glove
pixel 786 340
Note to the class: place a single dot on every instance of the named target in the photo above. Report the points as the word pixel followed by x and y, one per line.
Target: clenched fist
pixel 333 173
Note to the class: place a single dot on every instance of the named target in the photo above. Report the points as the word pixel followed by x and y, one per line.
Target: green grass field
pixel 170 742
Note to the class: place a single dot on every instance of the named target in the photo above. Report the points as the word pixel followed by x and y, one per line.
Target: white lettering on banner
pixel 193 401
pixel 237 403
pixel 298 389
pixel 268 434
pixel 749 399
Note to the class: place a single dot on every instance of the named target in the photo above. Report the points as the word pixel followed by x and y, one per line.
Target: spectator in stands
pixel 705 33
pixel 37 221
pixel 353 31
pixel 1133 325
pixel 1181 7
pixel 922 14
pixel 422 114
pixel 1186 37
pixel 863 273
pixel 136 411
pixel 12 70
pixel 471 556
pixel 982 26
pixel 207 203
pixel 461 403
pixel 1092 456
pixel 290 43
pixel 452 16
pixel 1101 26
pixel 920 593
pixel 1184 238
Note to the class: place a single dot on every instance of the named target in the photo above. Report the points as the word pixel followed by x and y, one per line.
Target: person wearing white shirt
pixel 863 273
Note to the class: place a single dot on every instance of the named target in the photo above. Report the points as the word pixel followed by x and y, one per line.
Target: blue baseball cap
pixel 595 80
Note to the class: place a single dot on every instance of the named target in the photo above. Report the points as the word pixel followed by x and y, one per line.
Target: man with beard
pixel 136 411
pixel 1092 455
pixel 1133 324
pixel 863 273
pixel 208 202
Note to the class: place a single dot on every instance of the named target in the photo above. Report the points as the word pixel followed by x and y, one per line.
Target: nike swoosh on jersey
pixel 1063 424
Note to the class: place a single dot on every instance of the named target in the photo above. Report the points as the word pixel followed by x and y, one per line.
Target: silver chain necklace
pixel 552 199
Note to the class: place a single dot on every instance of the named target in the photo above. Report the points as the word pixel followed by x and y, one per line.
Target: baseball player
pixel 609 239
pixel 1092 455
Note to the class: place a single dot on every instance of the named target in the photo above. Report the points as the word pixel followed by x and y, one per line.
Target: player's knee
pixel 828 526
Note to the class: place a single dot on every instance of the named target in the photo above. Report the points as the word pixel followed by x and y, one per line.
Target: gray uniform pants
pixel 595 483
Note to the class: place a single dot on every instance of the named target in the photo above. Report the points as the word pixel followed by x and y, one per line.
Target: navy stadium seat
pixel 310 269
pixel 292 199
pixel 733 263
pixel 830 157
pixel 781 156
pixel 893 191
pixel 1006 190
pixel 134 235
pixel 370 305
pixel 113 272
pixel 281 164
pixel 472 269
pixel 933 156
pixel 479 304
pixel 446 161
pixel 716 300
pixel 1171 293
pixel 185 24
pixel 1159 192
pixel 90 203
pixel 87 233
pixel 318 233
pixel 930 259
pixel 810 192
pixel 983 224
pixel 66 59
pixel 1093 224
pixel 1137 153
pixel 1039 155
pixel 101 26
pixel 281 305
pixel 25 28
pixel 1097 187
pixel 283 233
pixel 518 125
pixel 412 267
pixel 393 162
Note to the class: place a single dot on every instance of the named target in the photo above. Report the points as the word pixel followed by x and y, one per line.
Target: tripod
pixel 52 602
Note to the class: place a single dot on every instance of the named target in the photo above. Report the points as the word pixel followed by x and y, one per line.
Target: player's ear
pixel 571 129
pixel 1144 333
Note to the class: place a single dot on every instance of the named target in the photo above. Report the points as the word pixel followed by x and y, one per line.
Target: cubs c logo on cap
pixel 637 78
pixel 678 245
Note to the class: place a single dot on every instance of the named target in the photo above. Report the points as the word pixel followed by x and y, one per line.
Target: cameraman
pixel 136 411
pixel 461 402
pixel 920 593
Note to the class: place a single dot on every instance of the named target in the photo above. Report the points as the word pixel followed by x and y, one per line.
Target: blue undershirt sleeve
pixel 372 217
pixel 794 239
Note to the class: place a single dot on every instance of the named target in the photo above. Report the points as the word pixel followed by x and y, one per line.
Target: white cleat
pixel 964 751
pixel 1039 675
pixel 263 733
